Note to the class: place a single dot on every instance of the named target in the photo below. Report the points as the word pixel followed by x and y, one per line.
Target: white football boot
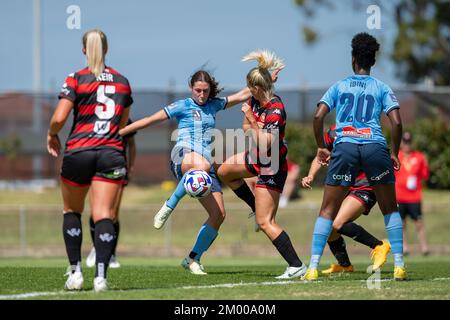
pixel 90 260
pixel 162 216
pixel 293 272
pixel 100 284
pixel 113 262
pixel 194 266
pixel 252 215
pixel 74 281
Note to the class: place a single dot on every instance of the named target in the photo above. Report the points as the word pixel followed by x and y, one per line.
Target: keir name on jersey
pixel 105 77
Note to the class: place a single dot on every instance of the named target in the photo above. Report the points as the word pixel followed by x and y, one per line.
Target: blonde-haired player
pixel 265 118
pixel 94 158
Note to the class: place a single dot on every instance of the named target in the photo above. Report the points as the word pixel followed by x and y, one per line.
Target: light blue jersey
pixel 359 101
pixel 195 124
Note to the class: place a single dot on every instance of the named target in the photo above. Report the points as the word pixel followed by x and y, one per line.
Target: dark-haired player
pixel 360 200
pixel 196 118
pixel 359 101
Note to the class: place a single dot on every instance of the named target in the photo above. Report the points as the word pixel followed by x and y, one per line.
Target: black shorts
pixel 81 167
pixel 366 197
pixel 274 181
pixel 414 210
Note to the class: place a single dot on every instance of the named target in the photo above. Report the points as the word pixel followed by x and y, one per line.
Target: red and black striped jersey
pixel 271 117
pixel 98 107
pixel 361 182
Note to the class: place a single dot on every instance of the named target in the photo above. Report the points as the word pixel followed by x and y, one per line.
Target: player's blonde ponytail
pixel 96 45
pixel 260 76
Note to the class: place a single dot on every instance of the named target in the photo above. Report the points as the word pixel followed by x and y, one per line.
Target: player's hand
pixel 275 74
pixel 323 156
pixel 247 110
pixel 53 145
pixel 395 162
pixel 307 181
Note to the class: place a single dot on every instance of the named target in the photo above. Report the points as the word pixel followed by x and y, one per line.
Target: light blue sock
pixel 394 230
pixel 322 230
pixel 178 194
pixel 205 238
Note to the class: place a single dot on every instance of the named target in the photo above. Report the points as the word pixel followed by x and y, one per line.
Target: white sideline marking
pixel 222 285
pixel 242 284
pixel 441 279
pixel 32 295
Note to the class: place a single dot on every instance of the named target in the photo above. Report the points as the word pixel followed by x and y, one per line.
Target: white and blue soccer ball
pixel 198 183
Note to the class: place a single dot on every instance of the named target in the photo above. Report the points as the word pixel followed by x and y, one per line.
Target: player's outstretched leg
pixel 166 210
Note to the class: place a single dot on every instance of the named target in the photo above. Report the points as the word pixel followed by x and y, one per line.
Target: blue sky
pixel 154 41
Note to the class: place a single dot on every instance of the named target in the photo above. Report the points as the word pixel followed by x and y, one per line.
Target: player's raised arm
pixel 157 117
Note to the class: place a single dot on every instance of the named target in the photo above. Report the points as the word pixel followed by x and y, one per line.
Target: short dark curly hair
pixel 364 48
pixel 204 76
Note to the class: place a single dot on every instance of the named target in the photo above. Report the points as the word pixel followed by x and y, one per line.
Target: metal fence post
pixel 168 238
pixel 23 230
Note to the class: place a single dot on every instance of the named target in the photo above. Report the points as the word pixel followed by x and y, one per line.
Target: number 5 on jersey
pixel 106 110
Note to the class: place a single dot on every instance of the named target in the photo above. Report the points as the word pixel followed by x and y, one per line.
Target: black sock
pixel 244 193
pixel 339 251
pixel 92 229
pixel 359 234
pixel 287 251
pixel 104 242
pixel 116 236
pixel 192 255
pixel 73 236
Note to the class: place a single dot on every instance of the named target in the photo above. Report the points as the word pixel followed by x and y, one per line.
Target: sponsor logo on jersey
pixel 379 177
pixel 277 111
pixel 350 131
pixel 345 177
pixel 393 97
pixel 116 174
pixel 271 181
pixel 196 115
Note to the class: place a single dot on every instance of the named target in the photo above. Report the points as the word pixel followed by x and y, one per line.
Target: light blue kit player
pixel 359 101
pixel 196 118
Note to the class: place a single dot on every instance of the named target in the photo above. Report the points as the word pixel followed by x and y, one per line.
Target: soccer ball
pixel 198 183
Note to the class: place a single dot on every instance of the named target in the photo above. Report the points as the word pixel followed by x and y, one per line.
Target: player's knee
pixel 338 224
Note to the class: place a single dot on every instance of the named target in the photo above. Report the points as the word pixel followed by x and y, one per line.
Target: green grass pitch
pixel 228 278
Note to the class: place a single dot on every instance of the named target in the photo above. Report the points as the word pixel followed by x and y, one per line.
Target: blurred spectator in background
pixel 413 171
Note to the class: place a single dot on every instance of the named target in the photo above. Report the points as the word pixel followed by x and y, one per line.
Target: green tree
pixel 421 49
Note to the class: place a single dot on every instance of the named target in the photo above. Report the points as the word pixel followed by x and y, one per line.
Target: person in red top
pixel 413 172
pixel 94 156
pixel 360 200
